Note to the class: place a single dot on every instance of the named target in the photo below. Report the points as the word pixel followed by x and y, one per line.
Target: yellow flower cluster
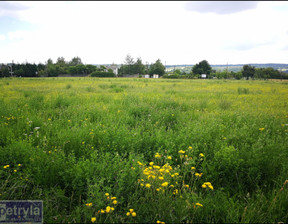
pixel 160 222
pixel 207 184
pixel 131 212
pixel 7 166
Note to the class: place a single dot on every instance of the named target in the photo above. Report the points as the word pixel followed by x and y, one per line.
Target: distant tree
pixel 138 67
pixel 202 67
pixel 157 68
pixel 248 71
pixel 75 61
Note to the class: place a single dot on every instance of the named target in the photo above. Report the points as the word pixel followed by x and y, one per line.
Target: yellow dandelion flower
pixel 19 164
pixel 93 219
pixel 131 210
pixel 161 178
pixel 193 168
pixel 165 184
pixel 151 163
pixel 133 214
pixel 112 208
pixel 148 185
pixel 261 129
pixel 187 185
pixel 15 171
pixel 107 194
pixel 176 174
pixel 157 156
pixel 108 208
pixel 128 213
pixel 114 202
pixel 169 157
pixel 198 204
pixel 201 154
pixel 203 185
pixel 4 167
pixel 190 147
pixel 181 151
pixel 142 185
pixel 113 198
pixel 171 185
pixel 89 204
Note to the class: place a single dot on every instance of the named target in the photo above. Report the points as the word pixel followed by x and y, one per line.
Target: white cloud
pixel 105 32
pixel 2 37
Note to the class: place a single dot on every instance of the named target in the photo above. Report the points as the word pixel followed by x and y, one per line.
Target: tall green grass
pixel 76 142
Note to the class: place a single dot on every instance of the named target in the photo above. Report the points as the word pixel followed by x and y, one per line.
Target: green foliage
pixel 248 71
pixel 157 68
pixel 202 67
pixel 102 74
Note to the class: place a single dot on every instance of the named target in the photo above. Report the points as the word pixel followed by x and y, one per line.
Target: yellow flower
pixel 176 174
pixel 171 185
pixel 89 204
pixel 181 151
pixel 201 154
pixel 156 167
pixel 112 208
pixel 108 208
pixel 93 219
pixel 161 178
pixel 4 167
pixel 141 185
pixel 49 119
pixel 139 163
pixel 165 184
pixel 207 184
pixel 187 185
pixel 148 185
pixel 169 157
pixel 131 210
pixel 157 156
pixel 107 194
pixel 158 189
pixel 102 211
pixel 128 213
pixel 175 191
pixel 261 129
pixel 114 202
pixel 15 171
pixel 49 152
pixel 198 174
pixel 193 168
pixel 151 163
pixel 198 204
pixel 113 198
pixel 190 147
pixel 133 214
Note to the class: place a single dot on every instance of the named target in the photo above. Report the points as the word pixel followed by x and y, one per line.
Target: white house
pixel 155 76
pixel 203 76
pixel 114 68
pixel 147 76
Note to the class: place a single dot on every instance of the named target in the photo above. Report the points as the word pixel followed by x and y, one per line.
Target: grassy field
pixel 174 151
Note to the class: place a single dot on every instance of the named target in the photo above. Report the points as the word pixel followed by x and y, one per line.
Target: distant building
pixel 155 76
pixel 203 76
pixel 114 68
pixel 147 76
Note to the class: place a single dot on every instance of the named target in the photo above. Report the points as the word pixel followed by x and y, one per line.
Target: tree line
pixel 133 67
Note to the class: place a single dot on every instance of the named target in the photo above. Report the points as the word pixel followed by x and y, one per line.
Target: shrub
pixel 102 74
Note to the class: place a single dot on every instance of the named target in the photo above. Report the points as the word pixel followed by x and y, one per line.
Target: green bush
pixel 102 74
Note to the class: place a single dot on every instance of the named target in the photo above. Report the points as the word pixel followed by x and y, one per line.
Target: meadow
pixel 119 150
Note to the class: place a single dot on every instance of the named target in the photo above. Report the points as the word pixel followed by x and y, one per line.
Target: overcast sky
pixel 175 32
